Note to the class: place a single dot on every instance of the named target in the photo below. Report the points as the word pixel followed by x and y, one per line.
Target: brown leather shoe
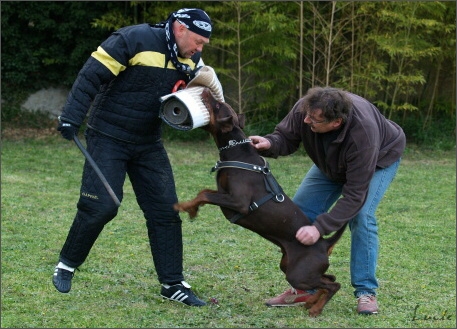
pixel 367 304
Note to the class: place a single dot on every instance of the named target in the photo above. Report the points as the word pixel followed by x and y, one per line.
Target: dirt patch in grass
pixel 28 133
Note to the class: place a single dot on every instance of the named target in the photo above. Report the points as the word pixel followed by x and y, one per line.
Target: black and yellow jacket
pixel 121 84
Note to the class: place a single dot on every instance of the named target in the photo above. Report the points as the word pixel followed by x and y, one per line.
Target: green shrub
pixel 439 134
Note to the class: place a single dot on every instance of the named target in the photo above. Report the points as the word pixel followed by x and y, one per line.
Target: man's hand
pixel 308 235
pixel 67 130
pixel 260 143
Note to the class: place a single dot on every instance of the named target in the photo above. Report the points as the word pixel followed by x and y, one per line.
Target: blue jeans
pixel 317 193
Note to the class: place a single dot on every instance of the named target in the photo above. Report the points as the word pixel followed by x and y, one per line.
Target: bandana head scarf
pixel 196 20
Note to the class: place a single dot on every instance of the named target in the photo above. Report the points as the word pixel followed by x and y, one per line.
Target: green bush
pixel 48 42
pixel 439 134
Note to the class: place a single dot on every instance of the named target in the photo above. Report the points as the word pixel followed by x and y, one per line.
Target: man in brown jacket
pixel 356 153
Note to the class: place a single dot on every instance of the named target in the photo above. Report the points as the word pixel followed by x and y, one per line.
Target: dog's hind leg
pixel 284 260
pixel 315 298
pixel 327 293
pixel 318 306
pixel 330 277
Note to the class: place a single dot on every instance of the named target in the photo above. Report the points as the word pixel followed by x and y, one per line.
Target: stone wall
pixel 50 101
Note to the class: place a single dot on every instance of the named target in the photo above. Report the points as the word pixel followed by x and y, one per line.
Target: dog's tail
pixel 331 241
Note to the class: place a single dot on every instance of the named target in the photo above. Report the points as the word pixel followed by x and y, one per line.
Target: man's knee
pixel 97 210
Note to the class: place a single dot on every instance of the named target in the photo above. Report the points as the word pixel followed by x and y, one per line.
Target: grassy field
pixel 117 287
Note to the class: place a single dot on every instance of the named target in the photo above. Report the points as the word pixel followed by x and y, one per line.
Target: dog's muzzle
pixel 184 109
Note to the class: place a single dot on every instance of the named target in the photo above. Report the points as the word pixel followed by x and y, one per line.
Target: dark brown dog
pixel 250 197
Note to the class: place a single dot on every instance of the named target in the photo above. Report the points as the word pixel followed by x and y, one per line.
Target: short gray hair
pixel 334 102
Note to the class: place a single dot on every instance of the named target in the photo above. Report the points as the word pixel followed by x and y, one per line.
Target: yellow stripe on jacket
pixel 145 58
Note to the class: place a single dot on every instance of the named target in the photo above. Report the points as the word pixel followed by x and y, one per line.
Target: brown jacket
pixel 366 141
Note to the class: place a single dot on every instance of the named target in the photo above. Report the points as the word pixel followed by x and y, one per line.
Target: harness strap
pixel 252 207
pixel 271 185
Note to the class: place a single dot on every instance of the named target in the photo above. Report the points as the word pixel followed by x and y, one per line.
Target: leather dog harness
pixel 272 186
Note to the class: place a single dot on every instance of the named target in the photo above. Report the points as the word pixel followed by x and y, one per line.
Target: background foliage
pixel 398 54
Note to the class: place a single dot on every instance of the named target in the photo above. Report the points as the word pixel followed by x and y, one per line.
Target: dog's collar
pixel 242 165
pixel 233 143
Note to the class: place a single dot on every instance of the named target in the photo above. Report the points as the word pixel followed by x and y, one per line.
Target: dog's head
pixel 222 116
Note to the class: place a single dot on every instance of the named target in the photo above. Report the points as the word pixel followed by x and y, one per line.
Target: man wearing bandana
pixel 118 90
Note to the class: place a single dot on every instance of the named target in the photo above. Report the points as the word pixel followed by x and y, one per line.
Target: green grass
pixel 117 286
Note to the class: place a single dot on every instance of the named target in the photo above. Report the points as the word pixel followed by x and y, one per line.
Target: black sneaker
pixel 62 279
pixel 181 293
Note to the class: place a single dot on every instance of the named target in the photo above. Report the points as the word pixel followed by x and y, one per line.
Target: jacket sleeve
pixel 286 137
pixel 89 81
pixel 104 64
pixel 361 165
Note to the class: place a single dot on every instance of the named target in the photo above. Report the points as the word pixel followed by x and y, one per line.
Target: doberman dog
pixel 250 197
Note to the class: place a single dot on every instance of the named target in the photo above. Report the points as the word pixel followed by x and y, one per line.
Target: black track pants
pixel 150 173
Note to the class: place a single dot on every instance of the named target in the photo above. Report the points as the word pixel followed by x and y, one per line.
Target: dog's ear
pixel 241 120
pixel 226 124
